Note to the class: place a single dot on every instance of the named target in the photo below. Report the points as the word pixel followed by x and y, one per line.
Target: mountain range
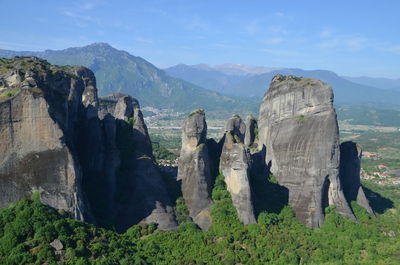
pixel 119 71
pixel 251 84
pixel 219 89
pixel 386 83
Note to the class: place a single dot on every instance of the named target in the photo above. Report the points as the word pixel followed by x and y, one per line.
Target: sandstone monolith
pixel 298 127
pixel 195 169
pixel 235 163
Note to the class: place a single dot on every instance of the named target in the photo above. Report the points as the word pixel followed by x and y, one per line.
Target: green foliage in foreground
pixel 27 228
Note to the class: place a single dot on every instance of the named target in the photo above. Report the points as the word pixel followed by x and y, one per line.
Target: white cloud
pixel 281 52
pixel 273 41
pixel 325 34
pixel 87 5
pixel 391 48
pixel 144 40
pixel 195 23
pixel 276 29
pixel 330 40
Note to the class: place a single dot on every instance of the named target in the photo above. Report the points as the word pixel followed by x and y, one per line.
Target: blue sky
pixel 349 37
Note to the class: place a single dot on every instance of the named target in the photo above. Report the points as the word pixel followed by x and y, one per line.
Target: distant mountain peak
pixel 232 69
pixel 242 69
pixel 100 44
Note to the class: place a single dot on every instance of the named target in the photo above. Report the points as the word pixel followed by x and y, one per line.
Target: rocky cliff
pixel 350 165
pixel 90 158
pixel 298 127
pixel 40 108
pixel 141 194
pixel 235 163
pixel 195 169
pixel 251 128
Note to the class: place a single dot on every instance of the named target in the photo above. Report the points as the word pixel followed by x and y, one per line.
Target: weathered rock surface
pixel 195 169
pixel 251 126
pixel 92 159
pixel 350 165
pixel 57 244
pixel 39 109
pixel 235 163
pixel 141 191
pixel 298 127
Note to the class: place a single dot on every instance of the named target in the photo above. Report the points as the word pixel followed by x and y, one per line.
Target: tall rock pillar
pixel 298 127
pixel 195 169
pixel 235 165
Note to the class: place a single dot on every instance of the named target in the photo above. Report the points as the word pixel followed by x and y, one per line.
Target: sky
pixel 353 37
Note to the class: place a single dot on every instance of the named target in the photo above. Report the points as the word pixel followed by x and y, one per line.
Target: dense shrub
pixel 27 228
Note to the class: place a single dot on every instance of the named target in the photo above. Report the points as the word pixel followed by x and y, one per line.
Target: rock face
pixel 90 158
pixel 350 165
pixel 195 169
pixel 140 189
pixel 251 126
pixel 40 108
pixel 235 163
pixel 298 127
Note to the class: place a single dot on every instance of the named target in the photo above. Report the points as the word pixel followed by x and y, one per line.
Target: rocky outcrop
pixel 39 110
pixel 298 127
pixel 195 169
pixel 251 127
pixel 350 166
pixel 141 194
pixel 90 158
pixel 235 163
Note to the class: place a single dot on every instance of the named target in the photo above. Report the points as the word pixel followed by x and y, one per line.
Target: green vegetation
pixel 295 78
pixel 198 111
pixel 160 152
pixel 366 115
pixel 27 228
pixel 385 145
pixel 170 140
pixel 131 121
pixel 9 93
pixel 301 118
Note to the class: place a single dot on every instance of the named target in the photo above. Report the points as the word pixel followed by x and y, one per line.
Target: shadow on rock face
pixel 378 203
pixel 173 186
pixel 267 195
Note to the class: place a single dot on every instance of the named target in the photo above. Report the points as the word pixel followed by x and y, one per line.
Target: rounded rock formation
pixel 298 127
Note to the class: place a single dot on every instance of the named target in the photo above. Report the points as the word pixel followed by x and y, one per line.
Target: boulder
pixel 57 244
pixel 298 127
